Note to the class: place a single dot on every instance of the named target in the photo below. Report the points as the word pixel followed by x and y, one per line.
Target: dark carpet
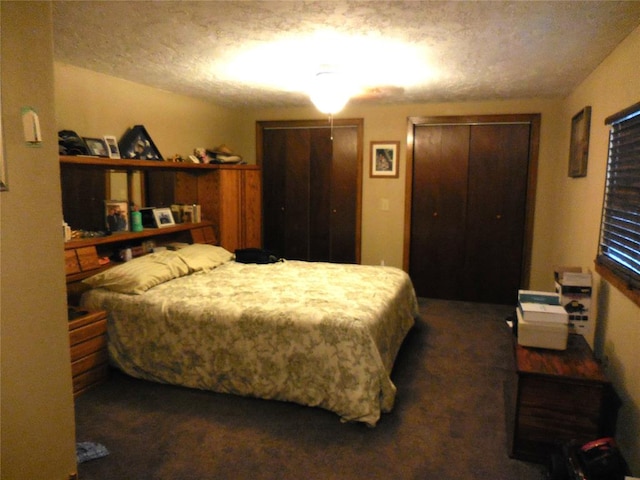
pixel 449 421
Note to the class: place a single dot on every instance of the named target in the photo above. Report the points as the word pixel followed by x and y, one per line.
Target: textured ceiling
pixel 478 50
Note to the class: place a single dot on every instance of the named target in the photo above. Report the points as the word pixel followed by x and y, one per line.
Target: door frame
pixel 533 119
pixel 358 123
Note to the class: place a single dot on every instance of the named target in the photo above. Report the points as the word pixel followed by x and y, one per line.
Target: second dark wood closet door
pixel 469 210
pixel 310 193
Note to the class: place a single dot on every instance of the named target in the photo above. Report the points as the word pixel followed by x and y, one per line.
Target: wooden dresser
pixel 560 396
pixel 88 343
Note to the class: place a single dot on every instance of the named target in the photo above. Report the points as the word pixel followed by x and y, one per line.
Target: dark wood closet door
pixel 286 193
pixel 344 201
pixel 470 210
pixel 320 226
pixel 311 191
pixel 498 166
pixel 439 198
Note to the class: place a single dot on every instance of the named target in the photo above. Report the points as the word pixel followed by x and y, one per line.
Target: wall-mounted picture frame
pixel 112 146
pixel 97 146
pixel 579 147
pixel 117 215
pixel 384 161
pixel 163 217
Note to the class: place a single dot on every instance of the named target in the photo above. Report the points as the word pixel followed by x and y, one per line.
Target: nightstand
pixel 560 396
pixel 88 343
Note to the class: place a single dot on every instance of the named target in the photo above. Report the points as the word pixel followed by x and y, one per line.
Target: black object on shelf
pixel 137 143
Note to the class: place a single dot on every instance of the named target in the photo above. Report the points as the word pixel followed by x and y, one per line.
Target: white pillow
pixel 201 256
pixel 140 274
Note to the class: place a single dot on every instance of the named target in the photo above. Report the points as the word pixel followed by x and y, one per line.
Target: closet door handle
pixel 498 216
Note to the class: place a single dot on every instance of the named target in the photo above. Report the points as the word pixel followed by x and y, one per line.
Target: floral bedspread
pixel 318 334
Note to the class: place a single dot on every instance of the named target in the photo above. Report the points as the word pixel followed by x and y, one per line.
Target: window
pixel 619 247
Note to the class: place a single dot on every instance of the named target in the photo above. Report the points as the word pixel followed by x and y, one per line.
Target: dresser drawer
pixel 88 349
pixel 86 332
pixel 564 396
pixel 92 345
pixel 89 379
pixel 90 361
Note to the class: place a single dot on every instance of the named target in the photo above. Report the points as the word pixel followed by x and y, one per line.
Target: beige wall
pixel 613 86
pixel 37 421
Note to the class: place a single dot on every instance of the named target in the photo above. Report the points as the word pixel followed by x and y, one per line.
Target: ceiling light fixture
pixel 330 92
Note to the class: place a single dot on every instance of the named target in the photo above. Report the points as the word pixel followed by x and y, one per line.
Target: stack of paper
pixel 540 312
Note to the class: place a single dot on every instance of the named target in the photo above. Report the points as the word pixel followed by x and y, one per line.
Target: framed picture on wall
pixel 579 148
pixel 384 159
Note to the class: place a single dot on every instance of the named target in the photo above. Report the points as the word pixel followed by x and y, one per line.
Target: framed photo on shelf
pixel 579 148
pixel 97 146
pixel 384 159
pixel 163 217
pixel 136 143
pixel 112 146
pixel 117 215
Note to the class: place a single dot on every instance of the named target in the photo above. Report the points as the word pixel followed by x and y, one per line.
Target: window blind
pixel 619 247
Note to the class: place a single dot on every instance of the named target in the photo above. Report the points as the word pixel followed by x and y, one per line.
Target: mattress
pixel 318 334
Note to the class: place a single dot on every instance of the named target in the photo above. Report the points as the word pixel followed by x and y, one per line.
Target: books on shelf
pixel 542 312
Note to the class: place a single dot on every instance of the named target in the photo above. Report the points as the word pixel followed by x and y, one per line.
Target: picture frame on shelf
pixel 97 146
pixel 163 217
pixel 136 143
pixel 117 215
pixel 579 147
pixel 384 159
pixel 112 146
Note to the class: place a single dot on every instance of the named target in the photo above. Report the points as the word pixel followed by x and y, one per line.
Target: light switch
pixel 384 204
pixel 31 126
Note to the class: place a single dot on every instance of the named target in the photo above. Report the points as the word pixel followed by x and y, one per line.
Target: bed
pixel 318 334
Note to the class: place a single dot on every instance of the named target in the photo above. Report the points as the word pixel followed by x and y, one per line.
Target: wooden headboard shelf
pixel 82 257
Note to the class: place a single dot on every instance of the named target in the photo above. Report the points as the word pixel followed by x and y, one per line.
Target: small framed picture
pixel 384 159
pixel 112 146
pixel 579 148
pixel 163 217
pixel 97 146
pixel 117 215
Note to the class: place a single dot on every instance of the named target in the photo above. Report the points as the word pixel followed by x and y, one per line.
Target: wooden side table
pixel 88 343
pixel 560 396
